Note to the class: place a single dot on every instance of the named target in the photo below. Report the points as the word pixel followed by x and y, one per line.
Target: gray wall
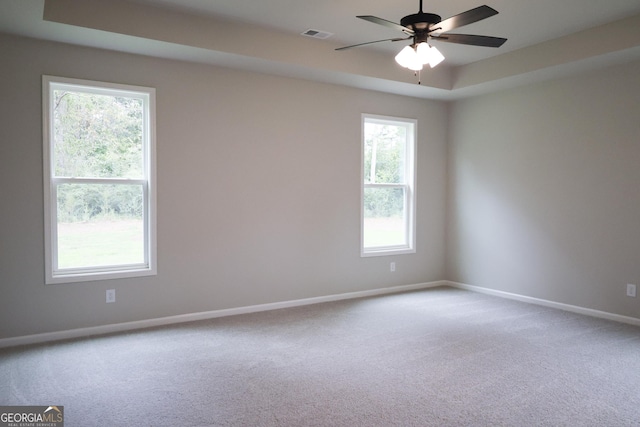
pixel 544 190
pixel 258 191
pixel 258 197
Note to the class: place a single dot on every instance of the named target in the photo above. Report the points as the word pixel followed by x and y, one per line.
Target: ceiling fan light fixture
pixel 415 56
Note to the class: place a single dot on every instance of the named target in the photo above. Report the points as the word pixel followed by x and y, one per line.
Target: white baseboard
pixel 162 321
pixel 547 303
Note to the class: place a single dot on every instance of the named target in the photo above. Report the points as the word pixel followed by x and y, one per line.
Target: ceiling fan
pixel 422 27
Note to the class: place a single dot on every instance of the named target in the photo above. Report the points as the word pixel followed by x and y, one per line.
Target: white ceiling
pixel 555 36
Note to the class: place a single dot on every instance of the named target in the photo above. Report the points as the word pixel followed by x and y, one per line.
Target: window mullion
pixel 385 185
pixel 67 180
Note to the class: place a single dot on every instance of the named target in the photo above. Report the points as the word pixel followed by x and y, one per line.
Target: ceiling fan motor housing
pixel 421 21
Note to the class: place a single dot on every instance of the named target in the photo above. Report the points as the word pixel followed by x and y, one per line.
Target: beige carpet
pixel 438 357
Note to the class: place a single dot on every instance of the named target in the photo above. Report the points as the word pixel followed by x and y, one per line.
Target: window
pixel 99 180
pixel 388 193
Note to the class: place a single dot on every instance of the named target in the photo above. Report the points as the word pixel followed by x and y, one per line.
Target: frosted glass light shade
pixel 436 57
pixel 408 58
pixel 429 54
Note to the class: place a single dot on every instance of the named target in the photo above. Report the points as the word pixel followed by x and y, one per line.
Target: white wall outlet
pixel 631 290
pixel 111 295
pixel 392 267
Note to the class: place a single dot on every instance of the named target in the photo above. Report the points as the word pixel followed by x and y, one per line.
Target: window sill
pixel 102 275
pixel 386 252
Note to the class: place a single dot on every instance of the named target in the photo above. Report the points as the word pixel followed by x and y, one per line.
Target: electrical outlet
pixel 631 290
pixel 111 295
pixel 392 267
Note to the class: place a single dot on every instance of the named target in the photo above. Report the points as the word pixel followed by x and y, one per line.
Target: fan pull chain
pixel 418 75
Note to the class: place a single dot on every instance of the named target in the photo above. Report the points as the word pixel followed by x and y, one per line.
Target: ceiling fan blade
pixel 464 18
pixel 486 41
pixel 377 41
pixel 386 23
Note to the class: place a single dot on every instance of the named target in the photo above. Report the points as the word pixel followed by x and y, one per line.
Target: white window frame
pixel 409 187
pixel 54 275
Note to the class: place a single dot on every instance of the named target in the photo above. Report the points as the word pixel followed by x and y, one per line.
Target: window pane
pixel 100 225
pixel 384 217
pixel 97 135
pixel 384 153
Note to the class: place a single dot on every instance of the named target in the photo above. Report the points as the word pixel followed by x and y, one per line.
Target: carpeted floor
pixel 437 357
